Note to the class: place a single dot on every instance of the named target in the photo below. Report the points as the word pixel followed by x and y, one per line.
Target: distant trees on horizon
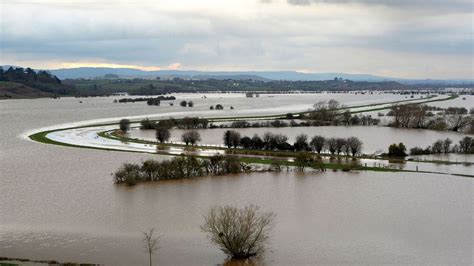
pixel 23 75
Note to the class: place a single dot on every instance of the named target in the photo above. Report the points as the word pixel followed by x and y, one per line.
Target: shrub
pixel 124 125
pixel 232 164
pixel 419 151
pixel 395 150
pixel 128 173
pixel 147 124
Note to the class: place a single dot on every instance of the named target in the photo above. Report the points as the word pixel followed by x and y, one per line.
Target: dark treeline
pixel 356 120
pixel 465 146
pixel 40 80
pixel 419 116
pixel 22 75
pixel 279 142
pixel 178 168
pixel 150 101
pixel 159 87
pixel 185 123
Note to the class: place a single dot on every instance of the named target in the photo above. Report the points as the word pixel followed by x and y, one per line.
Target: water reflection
pixel 244 262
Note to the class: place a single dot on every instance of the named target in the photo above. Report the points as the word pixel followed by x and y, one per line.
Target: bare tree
pixel 190 137
pixel 318 143
pixel 240 233
pixel 340 144
pixel 458 122
pixel 447 145
pixel 332 145
pixel 466 145
pixel 151 240
pixel 162 134
pixel 231 138
pixel 355 145
pixel 437 146
pixel 301 142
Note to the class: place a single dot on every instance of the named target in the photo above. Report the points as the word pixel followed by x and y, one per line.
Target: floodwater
pixel 60 203
pixel 376 139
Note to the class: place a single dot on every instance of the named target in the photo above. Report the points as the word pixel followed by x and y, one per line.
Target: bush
pixel 147 124
pixel 124 125
pixel 419 151
pixel 128 173
pixel 240 233
pixel 395 150
pixel 232 164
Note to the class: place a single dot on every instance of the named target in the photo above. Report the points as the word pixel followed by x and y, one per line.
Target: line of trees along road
pixel 279 142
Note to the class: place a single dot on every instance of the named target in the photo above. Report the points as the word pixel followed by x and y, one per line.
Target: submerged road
pixel 88 135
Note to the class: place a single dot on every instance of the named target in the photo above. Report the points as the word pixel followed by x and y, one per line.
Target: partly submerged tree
pixel 318 143
pixel 395 150
pixel 231 138
pixel 150 240
pixel 240 233
pixel 190 137
pixel 162 134
pixel 355 145
pixel 124 125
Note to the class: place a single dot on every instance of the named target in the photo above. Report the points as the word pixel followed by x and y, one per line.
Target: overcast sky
pixel 396 38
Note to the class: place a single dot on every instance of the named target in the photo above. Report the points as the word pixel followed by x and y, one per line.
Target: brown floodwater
pixel 376 139
pixel 60 203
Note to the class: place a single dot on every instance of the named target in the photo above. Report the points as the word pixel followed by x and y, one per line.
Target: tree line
pixel 150 101
pixel 419 116
pixel 184 123
pixel 268 141
pixel 279 142
pixel 333 113
pixel 465 146
pixel 40 80
pixel 27 75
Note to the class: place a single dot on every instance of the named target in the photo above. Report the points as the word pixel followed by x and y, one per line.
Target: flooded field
pixel 60 203
pixel 376 139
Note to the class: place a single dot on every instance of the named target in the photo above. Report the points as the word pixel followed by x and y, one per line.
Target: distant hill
pixel 17 82
pixel 13 90
pixel 94 72
pixel 105 72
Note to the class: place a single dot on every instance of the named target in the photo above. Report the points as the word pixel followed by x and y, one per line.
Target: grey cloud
pixel 295 39
pixel 448 5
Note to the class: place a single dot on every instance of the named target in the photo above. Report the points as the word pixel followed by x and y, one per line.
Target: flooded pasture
pixel 60 203
pixel 376 139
